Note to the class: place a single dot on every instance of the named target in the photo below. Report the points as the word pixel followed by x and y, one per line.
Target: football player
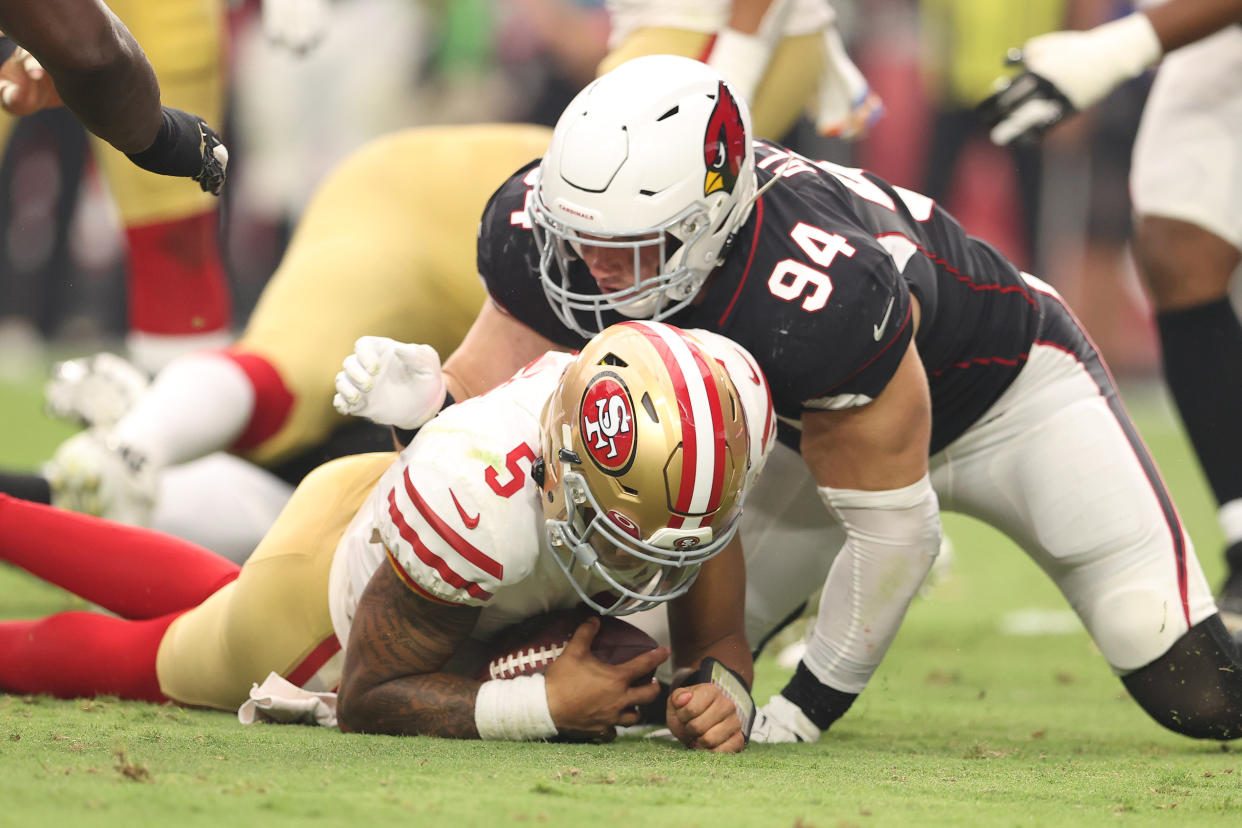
pixel 781 56
pixel 178 294
pixel 912 367
pixel 385 248
pixel 614 478
pixel 1186 184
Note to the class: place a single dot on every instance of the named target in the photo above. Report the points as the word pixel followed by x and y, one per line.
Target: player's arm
pixel 1070 71
pixel 97 66
pixel 708 622
pixel 397 645
pixel 393 682
pixel 870 464
pixel 495 348
pixel 102 75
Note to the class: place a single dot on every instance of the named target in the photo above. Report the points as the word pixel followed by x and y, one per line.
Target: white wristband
pixel 514 710
pixel 742 59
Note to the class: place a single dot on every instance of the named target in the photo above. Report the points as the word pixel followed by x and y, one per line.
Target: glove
pixel 1066 72
pixel 780 720
pixel 298 25
pixel 185 145
pixel 92 474
pixel 846 107
pixel 390 383
pixel 95 390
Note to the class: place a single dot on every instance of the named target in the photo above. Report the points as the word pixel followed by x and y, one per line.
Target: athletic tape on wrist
pixel 514 710
pixel 731 684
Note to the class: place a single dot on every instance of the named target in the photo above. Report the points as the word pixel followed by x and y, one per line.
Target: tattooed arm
pixel 397 645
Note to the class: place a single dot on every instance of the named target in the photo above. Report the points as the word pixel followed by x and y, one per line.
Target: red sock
pixel 75 655
pixel 136 573
pixel 272 398
pixel 176 281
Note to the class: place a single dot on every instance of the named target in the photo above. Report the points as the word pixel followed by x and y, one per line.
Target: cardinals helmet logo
pixel 724 144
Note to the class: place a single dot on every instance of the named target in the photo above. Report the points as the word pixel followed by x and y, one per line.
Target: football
pixel 532 645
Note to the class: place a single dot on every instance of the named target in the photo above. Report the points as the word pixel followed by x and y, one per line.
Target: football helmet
pixel 645 453
pixel 654 158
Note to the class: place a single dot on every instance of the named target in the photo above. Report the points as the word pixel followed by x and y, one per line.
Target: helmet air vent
pixel 649 407
pixel 670 113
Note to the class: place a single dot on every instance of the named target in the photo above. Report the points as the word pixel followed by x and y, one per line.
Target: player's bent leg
pixel 1058 466
pixel 1194 688
pixel 220 502
pixel 386 247
pixel 275 616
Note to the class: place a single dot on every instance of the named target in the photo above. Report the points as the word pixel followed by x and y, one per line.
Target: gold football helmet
pixel 645 450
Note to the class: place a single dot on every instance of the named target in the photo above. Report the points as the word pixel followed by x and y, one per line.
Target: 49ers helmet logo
pixel 607 423
pixel 724 144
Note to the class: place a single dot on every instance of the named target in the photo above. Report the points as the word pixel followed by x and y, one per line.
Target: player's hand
pixel 702 717
pixel 780 720
pixel 25 87
pixel 95 390
pixel 390 383
pixel 297 25
pixel 846 107
pixel 1066 72
pixel 90 474
pixel 588 698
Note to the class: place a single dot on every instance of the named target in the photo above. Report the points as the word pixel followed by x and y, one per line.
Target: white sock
pixel 198 404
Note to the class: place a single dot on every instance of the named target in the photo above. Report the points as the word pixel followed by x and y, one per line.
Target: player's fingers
pixel 628 717
pixel 580 642
pixel 8 93
pixel 641 694
pixel 736 743
pixel 708 708
pixel 32 67
pixel 347 393
pixel 718 733
pixel 357 373
pixel 644 663
pixel 1029 119
pixel 368 353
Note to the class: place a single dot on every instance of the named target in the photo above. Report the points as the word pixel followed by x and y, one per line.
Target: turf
pixel 965 724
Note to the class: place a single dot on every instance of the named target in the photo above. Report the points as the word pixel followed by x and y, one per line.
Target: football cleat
pixel 95 391
pixel 92 474
pixel 1229 600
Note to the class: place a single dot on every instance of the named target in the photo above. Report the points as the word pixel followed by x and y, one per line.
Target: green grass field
pixel 965 724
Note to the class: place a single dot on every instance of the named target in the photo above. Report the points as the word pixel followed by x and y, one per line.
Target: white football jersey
pixel 461 518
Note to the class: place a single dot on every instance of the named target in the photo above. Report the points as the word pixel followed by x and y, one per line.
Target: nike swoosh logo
pixel 878 330
pixel 470 522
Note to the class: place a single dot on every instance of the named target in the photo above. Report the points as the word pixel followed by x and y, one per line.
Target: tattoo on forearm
pixel 397 646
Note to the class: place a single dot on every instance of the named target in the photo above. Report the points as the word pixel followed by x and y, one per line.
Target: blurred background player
pixel 782 56
pixel 1187 189
pixel 385 248
pixel 178 295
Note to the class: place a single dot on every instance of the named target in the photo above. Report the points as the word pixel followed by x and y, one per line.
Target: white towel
pixel 278 701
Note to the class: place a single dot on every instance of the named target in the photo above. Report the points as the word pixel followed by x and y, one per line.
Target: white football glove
pixel 1067 72
pixel 298 25
pixel 780 720
pixel 96 390
pixel 390 383
pixel 846 106
pixel 91 474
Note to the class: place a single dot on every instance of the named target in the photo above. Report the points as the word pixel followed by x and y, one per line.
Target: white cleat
pixel 92 475
pixel 96 390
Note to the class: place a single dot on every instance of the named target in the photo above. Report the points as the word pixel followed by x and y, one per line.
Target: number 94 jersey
pixel 818 285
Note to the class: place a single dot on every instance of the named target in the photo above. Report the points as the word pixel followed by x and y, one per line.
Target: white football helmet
pixel 645 454
pixel 656 156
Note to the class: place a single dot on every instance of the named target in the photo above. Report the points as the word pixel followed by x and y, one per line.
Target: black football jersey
pixel 817 286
